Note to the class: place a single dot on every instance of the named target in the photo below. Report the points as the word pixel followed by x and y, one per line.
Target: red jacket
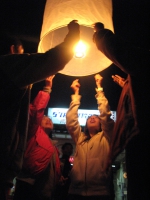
pixel 40 149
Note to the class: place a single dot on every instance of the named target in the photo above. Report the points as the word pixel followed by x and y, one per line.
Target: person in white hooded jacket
pixel 89 180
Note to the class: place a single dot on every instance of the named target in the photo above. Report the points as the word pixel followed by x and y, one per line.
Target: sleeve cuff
pixel 47 89
pixel 99 89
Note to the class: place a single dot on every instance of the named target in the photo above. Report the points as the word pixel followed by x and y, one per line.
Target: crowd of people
pixel 27 152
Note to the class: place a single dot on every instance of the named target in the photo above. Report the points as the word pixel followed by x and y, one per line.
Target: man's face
pixel 93 122
pixel 46 123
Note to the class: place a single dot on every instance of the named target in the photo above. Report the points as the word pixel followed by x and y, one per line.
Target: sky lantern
pixel 87 59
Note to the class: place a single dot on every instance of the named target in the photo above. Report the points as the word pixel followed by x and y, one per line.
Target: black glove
pixel 97 27
pixel 73 26
pixel 73 35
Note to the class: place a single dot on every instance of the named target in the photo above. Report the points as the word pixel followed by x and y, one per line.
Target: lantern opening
pixel 58 14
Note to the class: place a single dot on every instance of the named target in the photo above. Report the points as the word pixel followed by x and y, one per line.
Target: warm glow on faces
pixel 93 122
pixel 46 123
pixel 80 50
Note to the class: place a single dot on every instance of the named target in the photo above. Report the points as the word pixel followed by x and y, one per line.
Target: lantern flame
pixel 80 50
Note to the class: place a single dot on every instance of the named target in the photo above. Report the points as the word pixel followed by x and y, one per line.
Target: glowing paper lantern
pixel 57 15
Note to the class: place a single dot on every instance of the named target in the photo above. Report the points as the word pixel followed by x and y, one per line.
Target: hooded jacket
pixel 88 175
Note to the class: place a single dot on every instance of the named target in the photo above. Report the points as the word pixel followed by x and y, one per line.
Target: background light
pixel 58 14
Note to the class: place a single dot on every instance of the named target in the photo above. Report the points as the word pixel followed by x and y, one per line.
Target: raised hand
pixel 119 80
pixel 75 86
pixel 49 81
pixel 98 80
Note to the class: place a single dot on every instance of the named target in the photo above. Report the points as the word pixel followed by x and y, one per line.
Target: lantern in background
pixel 58 14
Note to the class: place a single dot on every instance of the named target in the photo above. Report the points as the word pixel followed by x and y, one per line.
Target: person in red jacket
pixel 41 165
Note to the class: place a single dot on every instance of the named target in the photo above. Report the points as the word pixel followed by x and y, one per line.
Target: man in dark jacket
pixel 132 125
pixel 17 72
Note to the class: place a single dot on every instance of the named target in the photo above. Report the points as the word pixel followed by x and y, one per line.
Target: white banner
pixel 58 115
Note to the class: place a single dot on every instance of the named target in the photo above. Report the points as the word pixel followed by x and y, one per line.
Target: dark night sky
pixel 131 20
